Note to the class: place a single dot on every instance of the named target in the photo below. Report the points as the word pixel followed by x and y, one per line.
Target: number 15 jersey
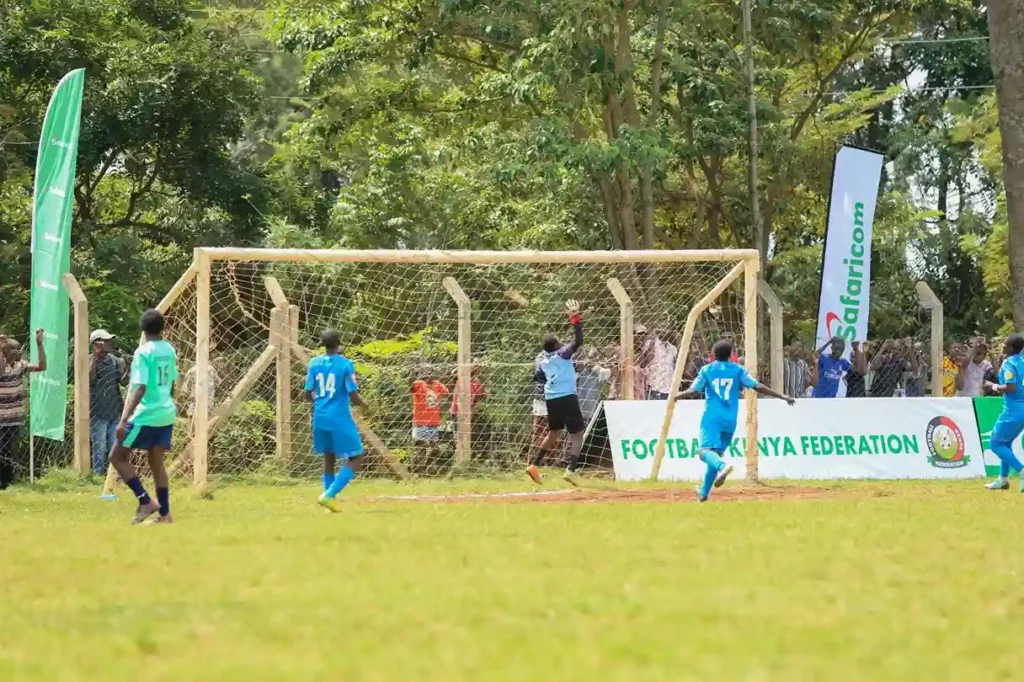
pixel 330 379
pixel 721 383
pixel 154 366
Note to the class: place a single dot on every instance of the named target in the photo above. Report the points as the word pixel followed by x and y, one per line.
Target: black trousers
pixel 10 445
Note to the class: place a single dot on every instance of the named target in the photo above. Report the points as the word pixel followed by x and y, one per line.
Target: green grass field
pixel 901 581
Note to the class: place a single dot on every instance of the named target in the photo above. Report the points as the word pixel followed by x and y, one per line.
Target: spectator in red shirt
pixel 478 392
pixel 427 394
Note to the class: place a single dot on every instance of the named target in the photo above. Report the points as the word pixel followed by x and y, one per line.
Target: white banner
pixel 843 305
pixel 868 438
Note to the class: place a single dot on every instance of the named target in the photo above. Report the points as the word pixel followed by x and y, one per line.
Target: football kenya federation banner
pixel 52 207
pixel 987 409
pixel 844 301
pixel 867 438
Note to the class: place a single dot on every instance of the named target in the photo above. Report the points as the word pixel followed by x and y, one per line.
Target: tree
pixel 1006 28
pixel 166 95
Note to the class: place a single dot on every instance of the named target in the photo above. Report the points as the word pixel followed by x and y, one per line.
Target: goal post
pixel 246 321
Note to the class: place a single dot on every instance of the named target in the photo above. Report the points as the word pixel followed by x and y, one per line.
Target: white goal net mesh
pixel 400 325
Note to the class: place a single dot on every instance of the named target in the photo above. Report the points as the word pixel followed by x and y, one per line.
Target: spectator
pixel 916 379
pixel 829 369
pixel 12 401
pixel 973 369
pixel 856 378
pixel 590 380
pixel 107 373
pixel 694 361
pixel 951 367
pixel 888 366
pixel 639 372
pixel 188 389
pixel 731 339
pixel 796 373
pixel 658 357
pixel 478 392
pixel 427 393
pixel 540 412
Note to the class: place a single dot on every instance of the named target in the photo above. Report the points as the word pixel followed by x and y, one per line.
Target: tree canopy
pixel 509 124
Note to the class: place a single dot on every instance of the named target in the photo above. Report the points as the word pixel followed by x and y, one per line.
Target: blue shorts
pixel 344 443
pixel 139 437
pixel 1005 432
pixel 712 437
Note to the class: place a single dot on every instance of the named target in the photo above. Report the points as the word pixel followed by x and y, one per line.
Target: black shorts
pixel 564 413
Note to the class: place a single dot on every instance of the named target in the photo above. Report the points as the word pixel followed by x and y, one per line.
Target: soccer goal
pixel 459 328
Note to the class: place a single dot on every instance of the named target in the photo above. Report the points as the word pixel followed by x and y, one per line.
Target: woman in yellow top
pixel 952 365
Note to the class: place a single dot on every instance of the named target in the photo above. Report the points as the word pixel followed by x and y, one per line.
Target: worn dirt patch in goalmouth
pixel 587 494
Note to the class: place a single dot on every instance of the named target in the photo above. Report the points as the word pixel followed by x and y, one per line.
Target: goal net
pixel 469 325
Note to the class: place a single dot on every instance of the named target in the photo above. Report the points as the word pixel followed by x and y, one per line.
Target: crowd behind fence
pixel 907 366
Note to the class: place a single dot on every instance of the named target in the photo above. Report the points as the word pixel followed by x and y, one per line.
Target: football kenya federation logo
pixel 946 444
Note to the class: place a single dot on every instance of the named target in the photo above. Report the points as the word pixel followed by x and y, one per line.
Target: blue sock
pixel 1007 460
pixel 328 480
pixel 344 476
pixel 163 497
pixel 714 464
pixel 136 485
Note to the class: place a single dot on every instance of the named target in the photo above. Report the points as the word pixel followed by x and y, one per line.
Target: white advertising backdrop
pixel 866 438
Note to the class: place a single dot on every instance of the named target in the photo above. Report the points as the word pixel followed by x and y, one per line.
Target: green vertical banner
pixel 52 205
pixel 987 410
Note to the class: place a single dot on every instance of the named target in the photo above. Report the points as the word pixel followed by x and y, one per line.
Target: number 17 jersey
pixel 722 383
pixel 330 379
pixel 155 366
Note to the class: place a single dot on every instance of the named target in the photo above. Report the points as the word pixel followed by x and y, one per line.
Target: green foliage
pixel 441 123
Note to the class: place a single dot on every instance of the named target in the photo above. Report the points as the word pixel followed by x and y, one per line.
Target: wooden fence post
pixel 83 459
pixel 627 359
pixel 751 267
pixel 464 395
pixel 775 313
pixel 932 303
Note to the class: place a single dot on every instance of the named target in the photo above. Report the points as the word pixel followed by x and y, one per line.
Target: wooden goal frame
pixel 282 344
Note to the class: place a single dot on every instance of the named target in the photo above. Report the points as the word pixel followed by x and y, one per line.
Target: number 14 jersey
pixel 722 383
pixel 330 379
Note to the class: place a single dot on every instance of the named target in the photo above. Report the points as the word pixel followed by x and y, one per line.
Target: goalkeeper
pixel 556 370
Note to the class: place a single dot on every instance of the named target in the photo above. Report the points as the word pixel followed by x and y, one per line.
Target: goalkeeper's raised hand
pixel 572 309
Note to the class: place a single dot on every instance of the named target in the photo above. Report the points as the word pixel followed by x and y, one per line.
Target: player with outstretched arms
pixel 720 383
pixel 331 385
pixel 147 421
pixel 1010 424
pixel 556 369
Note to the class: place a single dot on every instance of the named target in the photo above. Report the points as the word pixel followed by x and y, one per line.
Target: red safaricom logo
pixel 846 325
pixel 830 317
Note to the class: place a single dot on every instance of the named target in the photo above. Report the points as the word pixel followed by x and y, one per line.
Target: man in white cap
pixel 106 376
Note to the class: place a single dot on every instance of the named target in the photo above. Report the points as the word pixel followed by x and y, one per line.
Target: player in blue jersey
pixel 556 370
pixel 720 382
pixel 331 385
pixel 1010 424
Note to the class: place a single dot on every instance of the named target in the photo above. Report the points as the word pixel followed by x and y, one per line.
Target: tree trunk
pixel 1006 43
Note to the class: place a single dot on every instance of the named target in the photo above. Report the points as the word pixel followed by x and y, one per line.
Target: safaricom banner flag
pixel 846 266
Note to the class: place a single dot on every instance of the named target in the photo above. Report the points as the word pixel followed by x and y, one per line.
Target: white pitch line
pixel 468 496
